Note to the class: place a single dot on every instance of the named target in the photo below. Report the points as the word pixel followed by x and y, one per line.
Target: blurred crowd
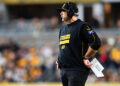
pixel 43 24
pixel 109 57
pixel 19 63
pixel 27 64
pixel 46 24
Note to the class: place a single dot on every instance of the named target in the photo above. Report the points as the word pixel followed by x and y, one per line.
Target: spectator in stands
pixel 118 23
pixel 104 57
pixel 13 45
pixel 34 60
pixel 35 73
pixel 46 50
pixel 21 25
pixel 54 23
pixel 46 23
pixel 36 24
pixel 3 45
pixel 95 22
pixel 18 75
pixel 115 57
pixel 2 60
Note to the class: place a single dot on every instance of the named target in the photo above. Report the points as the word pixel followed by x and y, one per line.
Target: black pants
pixel 73 77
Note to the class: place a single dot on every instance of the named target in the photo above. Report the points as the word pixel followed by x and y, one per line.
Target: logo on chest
pixel 64 39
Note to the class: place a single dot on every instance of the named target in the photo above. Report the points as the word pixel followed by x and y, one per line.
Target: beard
pixel 66 19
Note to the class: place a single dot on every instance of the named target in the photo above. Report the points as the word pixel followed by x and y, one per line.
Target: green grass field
pixel 59 84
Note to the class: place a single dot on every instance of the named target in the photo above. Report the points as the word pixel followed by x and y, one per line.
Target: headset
pixel 71 8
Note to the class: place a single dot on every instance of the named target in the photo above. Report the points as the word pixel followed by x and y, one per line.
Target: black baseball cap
pixel 67 6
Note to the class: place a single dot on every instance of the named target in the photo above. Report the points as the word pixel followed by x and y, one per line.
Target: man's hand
pixel 87 63
pixel 57 65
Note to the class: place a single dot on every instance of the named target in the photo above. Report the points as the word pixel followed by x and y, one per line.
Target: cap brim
pixel 60 9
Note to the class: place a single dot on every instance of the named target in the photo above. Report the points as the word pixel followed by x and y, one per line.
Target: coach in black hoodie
pixel 78 42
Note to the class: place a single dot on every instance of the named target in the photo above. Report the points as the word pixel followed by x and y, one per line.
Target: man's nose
pixel 61 12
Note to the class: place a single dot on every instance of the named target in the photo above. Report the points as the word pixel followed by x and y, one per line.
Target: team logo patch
pixel 91 31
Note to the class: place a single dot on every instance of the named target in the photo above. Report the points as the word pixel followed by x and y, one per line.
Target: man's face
pixel 64 16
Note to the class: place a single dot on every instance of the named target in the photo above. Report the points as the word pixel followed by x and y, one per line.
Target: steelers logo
pixel 63 46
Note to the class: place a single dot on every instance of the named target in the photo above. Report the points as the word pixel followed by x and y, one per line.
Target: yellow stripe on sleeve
pixel 64 42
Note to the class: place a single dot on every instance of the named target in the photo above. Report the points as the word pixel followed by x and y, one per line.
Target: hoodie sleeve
pixel 90 36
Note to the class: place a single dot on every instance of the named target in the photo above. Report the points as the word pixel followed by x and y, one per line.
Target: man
pixel 77 43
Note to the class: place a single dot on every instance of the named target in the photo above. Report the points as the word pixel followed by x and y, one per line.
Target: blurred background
pixel 29 40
